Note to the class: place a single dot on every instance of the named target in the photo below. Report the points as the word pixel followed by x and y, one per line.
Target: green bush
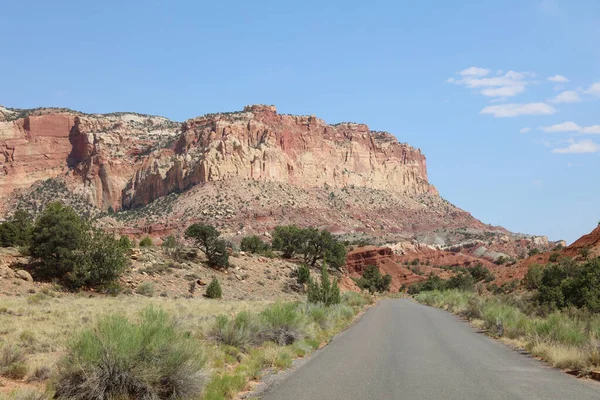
pixel 303 274
pixel 207 239
pixel 253 244
pixel 373 281
pixel 170 244
pixel 282 323
pixel 481 273
pixel 16 232
pixel 65 248
pixel 312 244
pixel 554 257
pixel 146 242
pixel 213 291
pixel 145 289
pixel 119 359
pixel 533 278
pixel 324 292
pixel 125 243
pixel 241 331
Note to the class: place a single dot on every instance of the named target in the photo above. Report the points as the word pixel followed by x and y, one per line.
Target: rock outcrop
pixel 260 144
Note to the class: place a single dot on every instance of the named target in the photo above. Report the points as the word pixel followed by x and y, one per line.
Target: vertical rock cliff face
pixel 260 144
pixel 32 148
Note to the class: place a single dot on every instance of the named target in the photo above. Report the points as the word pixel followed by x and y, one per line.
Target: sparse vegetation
pixel 150 358
pixel 373 281
pixel 312 244
pixel 145 289
pixel 213 290
pixel 324 292
pixel 254 244
pixel 207 239
pixel 146 241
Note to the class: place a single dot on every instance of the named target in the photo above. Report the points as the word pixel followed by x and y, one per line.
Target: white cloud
pixel 568 96
pixel 474 71
pixel 516 109
pixel 506 91
pixel 567 126
pixel 525 130
pixel 558 78
pixel 507 84
pixel 579 147
pixel 594 89
pixel 593 130
pixel 570 126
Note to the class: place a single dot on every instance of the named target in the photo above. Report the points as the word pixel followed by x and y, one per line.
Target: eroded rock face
pixel 33 148
pixel 260 144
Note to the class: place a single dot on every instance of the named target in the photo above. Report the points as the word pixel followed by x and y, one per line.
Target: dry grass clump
pixel 12 362
pixel 119 359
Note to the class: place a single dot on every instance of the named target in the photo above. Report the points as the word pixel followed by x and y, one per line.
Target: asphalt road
pixel 404 350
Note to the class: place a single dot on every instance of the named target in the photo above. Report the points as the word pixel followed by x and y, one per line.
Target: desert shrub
pixel 253 244
pixel 324 292
pixel 241 331
pixel 554 257
pixel 461 281
pixel 207 239
pixel 146 242
pixel 314 245
pixel 289 239
pixel 39 374
pixel 145 289
pixel 12 362
pixel 303 274
pixel 213 291
pixel 170 244
pixel 533 252
pixel 481 273
pixel 568 284
pixel 16 231
pixel 357 300
pixel 373 281
pixel 65 248
pixel 125 243
pixel 150 359
pixel 282 323
pixel 533 278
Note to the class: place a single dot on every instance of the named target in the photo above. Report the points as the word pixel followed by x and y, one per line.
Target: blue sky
pixel 500 96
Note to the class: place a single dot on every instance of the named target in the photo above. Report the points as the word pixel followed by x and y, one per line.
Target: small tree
pixel 253 244
pixel 213 291
pixel 17 230
pixel 65 248
pixel 373 281
pixel 146 242
pixel 322 245
pixel 289 239
pixel 303 274
pixel 584 252
pixel 207 239
pixel 533 278
pixel 326 292
pixel 125 243
pixel 170 244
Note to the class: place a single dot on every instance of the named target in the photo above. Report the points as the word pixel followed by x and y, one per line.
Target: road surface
pixel 403 350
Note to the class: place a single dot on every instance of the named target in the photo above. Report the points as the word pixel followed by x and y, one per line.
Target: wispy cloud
pixel 558 78
pixel 592 130
pixel 525 130
pixel 474 71
pixel 594 89
pixel 579 147
pixel 516 109
pixel 570 126
pixel 507 84
pixel 568 96
pixel 567 126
